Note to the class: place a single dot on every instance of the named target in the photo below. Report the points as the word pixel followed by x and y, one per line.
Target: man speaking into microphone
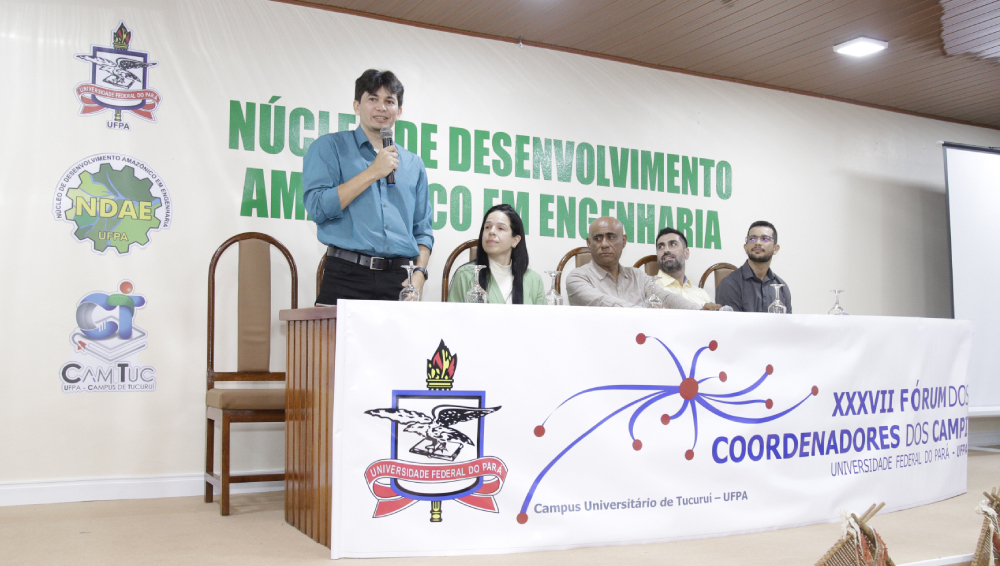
pixel 369 200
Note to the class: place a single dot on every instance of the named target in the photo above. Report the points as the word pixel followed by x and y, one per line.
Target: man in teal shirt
pixel 371 228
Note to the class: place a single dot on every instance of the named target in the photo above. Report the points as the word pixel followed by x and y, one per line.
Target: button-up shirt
pixel 745 292
pixel 592 286
pixel 687 290
pixel 382 221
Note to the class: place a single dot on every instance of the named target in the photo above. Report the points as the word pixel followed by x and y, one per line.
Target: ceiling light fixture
pixel 860 47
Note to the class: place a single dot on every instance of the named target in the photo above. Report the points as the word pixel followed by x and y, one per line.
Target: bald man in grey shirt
pixel 606 283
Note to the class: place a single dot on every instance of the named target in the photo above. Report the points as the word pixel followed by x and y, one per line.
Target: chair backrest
pixel 472 246
pixel 721 270
pixel 649 264
pixel 583 257
pixel 254 308
pixel 319 273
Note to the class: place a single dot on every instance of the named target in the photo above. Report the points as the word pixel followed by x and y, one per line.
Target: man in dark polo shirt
pixel 748 289
pixel 371 228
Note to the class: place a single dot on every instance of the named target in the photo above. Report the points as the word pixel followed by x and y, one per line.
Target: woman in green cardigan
pixel 503 251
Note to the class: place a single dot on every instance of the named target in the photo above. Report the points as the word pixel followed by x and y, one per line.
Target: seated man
pixel 748 289
pixel 671 253
pixel 606 283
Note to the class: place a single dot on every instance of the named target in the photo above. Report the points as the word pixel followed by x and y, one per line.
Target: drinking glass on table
pixel 477 294
pixel 777 307
pixel 652 301
pixel 837 309
pixel 553 297
pixel 409 293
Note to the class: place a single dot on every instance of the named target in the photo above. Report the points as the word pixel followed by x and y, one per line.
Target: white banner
pixel 514 428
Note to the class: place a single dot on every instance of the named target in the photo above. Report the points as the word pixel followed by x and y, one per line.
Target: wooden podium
pixel 312 337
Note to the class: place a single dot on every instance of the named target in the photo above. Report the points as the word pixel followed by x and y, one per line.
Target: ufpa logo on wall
pixel 118 81
pixel 436 447
pixel 106 345
pixel 113 201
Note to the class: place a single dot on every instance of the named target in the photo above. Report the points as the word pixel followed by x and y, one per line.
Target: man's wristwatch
pixel 422 270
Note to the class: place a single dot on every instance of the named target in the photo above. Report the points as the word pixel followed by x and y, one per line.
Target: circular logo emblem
pixel 113 201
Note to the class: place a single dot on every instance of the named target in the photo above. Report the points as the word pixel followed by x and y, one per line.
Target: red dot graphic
pixel 689 455
pixel 539 430
pixel 769 404
pixel 522 518
pixel 640 338
pixel 125 287
pixel 723 377
pixel 636 444
pixel 712 346
pixel 665 419
pixel 689 388
pixel 815 391
pixel 769 369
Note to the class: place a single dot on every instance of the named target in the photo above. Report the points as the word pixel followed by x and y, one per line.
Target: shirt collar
pixel 602 273
pixel 360 138
pixel 496 267
pixel 748 273
pixel 668 280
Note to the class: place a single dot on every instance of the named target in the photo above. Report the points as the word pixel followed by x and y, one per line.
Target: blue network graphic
pixel 689 391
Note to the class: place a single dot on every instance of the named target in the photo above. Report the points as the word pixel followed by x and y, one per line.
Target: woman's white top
pixel 504 276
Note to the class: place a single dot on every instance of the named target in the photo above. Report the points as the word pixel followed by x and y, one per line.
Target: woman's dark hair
pixel 372 80
pixel 518 255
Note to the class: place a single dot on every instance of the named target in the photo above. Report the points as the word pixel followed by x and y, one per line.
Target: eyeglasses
pixel 761 239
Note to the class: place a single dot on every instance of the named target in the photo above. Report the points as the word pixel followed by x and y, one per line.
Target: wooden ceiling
pixel 943 59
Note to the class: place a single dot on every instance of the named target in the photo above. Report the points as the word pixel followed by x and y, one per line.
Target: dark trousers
pixel 347 280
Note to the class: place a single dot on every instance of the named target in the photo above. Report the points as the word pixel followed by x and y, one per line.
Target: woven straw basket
pixel 988 544
pixel 848 552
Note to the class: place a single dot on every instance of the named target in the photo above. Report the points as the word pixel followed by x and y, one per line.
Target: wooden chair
pixel 226 406
pixel 471 245
pixel 649 264
pixel 319 273
pixel 721 270
pixel 583 257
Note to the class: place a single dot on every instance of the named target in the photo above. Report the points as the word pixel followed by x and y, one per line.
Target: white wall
pixel 857 194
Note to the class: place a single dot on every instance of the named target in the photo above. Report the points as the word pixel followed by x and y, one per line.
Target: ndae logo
pixel 112 201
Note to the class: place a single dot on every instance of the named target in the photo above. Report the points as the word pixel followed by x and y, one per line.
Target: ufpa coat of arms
pixel 436 446
pixel 118 81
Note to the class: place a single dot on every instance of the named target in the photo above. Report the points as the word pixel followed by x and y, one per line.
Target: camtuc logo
pixel 118 81
pixel 436 447
pixel 106 345
pixel 112 201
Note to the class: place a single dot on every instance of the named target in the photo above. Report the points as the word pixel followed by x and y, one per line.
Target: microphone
pixel 386 133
